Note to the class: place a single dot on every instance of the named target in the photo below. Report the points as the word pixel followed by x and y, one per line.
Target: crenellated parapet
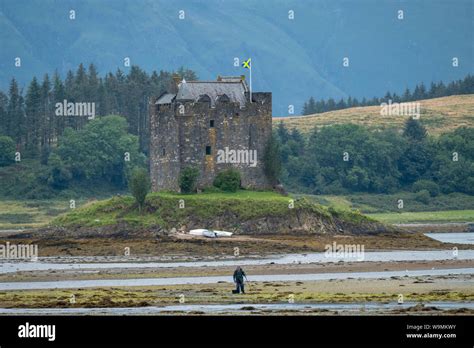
pixel 210 125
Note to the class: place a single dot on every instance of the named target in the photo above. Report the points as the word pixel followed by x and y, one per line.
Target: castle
pixel 212 126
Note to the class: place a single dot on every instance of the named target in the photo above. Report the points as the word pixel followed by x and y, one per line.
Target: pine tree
pixel 331 105
pixel 46 120
pixel 440 90
pixel 69 86
pixel 102 100
pixel 15 118
pixel 81 83
pixel 282 133
pixel 305 109
pixel 111 88
pixel 341 104
pixel 406 95
pixel 323 106
pixel 187 74
pixel 320 105
pixel 70 96
pixel 311 105
pixel 423 93
pixel 33 117
pixel 350 102
pixel 59 95
pixel 81 92
pixel 467 85
pixel 92 84
pixel 3 113
pixel 433 92
pixel 416 93
pixel 414 130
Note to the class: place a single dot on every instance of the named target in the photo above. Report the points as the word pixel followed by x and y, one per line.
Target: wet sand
pixel 453 289
pixel 450 288
pixel 272 269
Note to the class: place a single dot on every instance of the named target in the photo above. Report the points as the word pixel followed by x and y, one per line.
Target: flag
pixel 246 65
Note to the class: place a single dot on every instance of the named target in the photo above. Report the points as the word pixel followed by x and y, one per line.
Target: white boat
pixel 198 232
pixel 222 233
pixel 209 233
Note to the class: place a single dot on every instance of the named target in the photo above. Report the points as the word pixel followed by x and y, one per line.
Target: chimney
pixel 176 80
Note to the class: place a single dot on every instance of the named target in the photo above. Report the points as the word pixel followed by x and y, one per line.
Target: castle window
pixel 211 124
pixel 223 98
pixel 164 152
pixel 204 98
pixel 208 150
pixel 236 114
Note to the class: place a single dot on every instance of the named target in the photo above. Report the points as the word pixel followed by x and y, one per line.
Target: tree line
pixel 436 90
pixel 343 159
pixel 29 117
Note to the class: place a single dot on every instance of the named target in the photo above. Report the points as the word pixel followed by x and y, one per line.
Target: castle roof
pixel 165 98
pixel 233 87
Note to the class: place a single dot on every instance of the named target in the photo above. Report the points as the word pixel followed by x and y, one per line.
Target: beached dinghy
pixel 222 233
pixel 210 233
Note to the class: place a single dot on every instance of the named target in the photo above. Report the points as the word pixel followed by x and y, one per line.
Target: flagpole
pixel 250 81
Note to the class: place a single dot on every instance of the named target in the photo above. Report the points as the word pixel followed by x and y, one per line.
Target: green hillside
pixel 438 115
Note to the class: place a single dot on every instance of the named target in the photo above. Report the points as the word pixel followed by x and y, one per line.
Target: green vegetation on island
pixel 230 210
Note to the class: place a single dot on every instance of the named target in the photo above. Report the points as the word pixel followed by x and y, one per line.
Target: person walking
pixel 239 276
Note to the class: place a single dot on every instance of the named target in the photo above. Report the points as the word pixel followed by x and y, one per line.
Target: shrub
pixel 139 185
pixel 423 196
pixel 228 180
pixel 188 180
pixel 272 160
pixel 7 151
pixel 427 185
pixel 59 175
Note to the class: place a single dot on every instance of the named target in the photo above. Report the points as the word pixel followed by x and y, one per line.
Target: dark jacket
pixel 239 275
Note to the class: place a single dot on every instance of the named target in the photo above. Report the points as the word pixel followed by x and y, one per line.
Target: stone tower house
pixel 212 126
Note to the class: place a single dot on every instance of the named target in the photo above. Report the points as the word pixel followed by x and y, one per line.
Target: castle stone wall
pixel 179 138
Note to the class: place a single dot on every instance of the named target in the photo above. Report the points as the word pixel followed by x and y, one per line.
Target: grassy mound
pixel 240 211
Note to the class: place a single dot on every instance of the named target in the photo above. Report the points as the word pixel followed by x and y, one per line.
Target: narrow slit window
pixel 208 150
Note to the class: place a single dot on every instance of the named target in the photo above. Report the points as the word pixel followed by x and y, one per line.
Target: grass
pixel 164 209
pixel 261 292
pixel 15 214
pixel 439 115
pixel 426 216
pixel 383 203
pixel 444 208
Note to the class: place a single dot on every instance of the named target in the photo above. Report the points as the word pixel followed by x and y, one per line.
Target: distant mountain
pixel 295 59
